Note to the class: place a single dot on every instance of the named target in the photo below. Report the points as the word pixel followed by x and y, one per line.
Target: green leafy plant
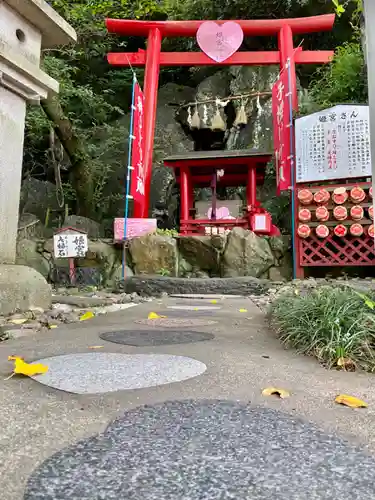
pixel 342 81
pixel 164 272
pixel 341 6
pixel 167 232
pixel 336 325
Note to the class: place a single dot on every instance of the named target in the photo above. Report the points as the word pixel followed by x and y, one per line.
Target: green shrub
pixel 336 325
pixel 167 232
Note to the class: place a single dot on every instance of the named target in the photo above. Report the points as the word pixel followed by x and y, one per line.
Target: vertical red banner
pixel 137 188
pixel 281 131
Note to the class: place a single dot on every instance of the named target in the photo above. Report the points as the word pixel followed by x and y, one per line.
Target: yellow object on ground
pixel 27 369
pixel 18 321
pixel 87 315
pixel 270 391
pixel 153 315
pixel 351 401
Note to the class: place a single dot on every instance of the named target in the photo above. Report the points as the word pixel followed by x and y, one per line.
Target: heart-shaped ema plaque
pixel 219 41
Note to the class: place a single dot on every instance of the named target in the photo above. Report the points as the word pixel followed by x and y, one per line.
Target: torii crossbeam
pixel 153 59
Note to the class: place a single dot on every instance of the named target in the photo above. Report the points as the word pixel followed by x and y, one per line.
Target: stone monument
pixel 26 26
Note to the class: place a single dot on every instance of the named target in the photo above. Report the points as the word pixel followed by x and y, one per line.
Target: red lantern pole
pixel 151 96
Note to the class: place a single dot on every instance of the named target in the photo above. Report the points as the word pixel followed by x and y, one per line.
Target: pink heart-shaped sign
pixel 219 41
pixel 221 213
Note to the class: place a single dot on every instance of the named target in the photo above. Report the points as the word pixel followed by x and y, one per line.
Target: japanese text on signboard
pixel 138 173
pixel 134 228
pixel 69 245
pixel 282 131
pixel 333 144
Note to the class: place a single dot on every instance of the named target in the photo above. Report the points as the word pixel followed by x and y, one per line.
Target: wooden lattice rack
pixel 333 250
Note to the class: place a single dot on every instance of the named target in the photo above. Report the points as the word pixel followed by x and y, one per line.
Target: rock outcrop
pixel 238 254
pixel 246 255
pixel 154 254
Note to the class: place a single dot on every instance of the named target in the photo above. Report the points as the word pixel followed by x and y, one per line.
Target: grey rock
pixel 3 334
pixel 275 274
pixel 246 254
pixel 91 227
pixel 199 273
pixel 72 317
pixel 59 308
pixel 218 241
pixel 27 255
pixel 170 139
pixel 286 266
pixel 25 330
pixel 280 245
pixel 212 87
pixel 29 227
pixel 154 286
pixel 22 288
pixel 200 253
pixel 116 275
pixel 36 310
pixel 81 302
pixel 37 197
pixel 154 254
pixel 257 133
pixel 184 267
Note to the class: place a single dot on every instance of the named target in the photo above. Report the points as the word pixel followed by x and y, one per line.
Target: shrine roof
pixel 70 228
pixel 195 158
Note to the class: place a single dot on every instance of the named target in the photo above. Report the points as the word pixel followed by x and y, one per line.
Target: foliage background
pixel 94 97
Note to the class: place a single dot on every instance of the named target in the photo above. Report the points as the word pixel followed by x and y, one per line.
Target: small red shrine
pixel 210 169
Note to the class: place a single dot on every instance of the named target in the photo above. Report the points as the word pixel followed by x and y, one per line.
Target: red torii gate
pixel 153 58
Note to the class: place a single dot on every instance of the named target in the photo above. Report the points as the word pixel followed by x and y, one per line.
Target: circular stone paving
pixel 175 322
pixel 98 372
pixel 206 450
pixel 155 337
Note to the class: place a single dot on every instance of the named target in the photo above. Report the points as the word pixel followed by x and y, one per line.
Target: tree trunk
pixel 81 172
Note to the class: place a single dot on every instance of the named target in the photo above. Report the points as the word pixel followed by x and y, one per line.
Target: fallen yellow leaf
pixel 270 391
pixel 346 364
pixel 28 369
pixel 153 315
pixel 243 310
pixel 96 346
pixel 18 321
pixel 51 327
pixel 351 401
pixel 214 301
pixel 87 315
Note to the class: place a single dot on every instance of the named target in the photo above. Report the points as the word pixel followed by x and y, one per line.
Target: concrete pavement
pixel 242 359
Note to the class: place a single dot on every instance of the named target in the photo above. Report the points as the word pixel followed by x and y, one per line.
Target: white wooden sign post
pixel 69 243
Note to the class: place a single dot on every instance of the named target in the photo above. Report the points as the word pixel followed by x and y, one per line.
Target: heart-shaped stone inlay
pixel 205 449
pixel 95 373
pixel 219 41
